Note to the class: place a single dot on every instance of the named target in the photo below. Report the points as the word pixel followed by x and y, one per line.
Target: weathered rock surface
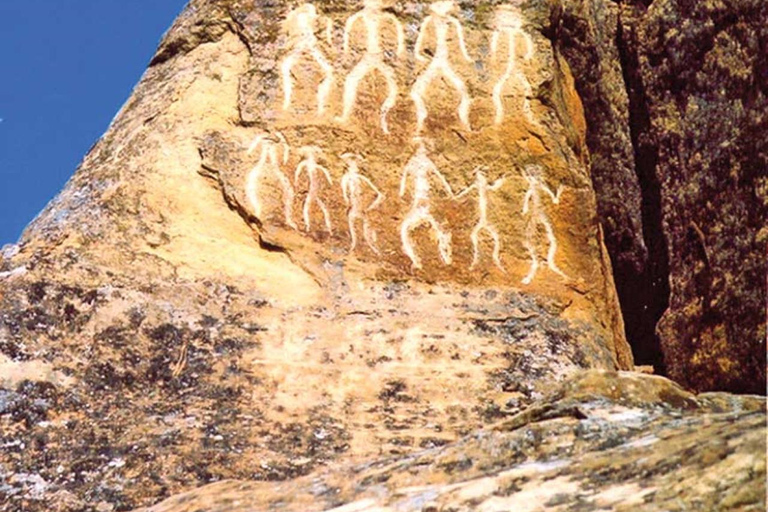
pixel 687 82
pixel 195 319
pixel 602 441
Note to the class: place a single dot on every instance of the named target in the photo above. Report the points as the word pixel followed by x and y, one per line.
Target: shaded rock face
pixel 602 441
pixel 685 84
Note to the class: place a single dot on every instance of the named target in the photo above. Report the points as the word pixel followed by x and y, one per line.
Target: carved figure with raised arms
pixel 301 24
pixel 374 17
pixel 537 217
pixel 509 28
pixel 315 172
pixel 353 188
pixel 442 21
pixel 482 187
pixel 274 150
pixel 420 169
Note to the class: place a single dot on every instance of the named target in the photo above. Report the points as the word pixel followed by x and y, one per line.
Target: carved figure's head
pixel 480 171
pixel 508 17
pixel 352 159
pixel 310 151
pixel 443 7
pixel 374 5
pixel 532 172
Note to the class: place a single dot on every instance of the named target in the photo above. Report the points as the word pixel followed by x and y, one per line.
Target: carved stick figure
pixel 482 186
pixel 269 164
pixel 509 24
pixel 352 187
pixel 312 168
pixel 420 168
pixel 373 16
pixel 300 25
pixel 532 203
pixel 440 64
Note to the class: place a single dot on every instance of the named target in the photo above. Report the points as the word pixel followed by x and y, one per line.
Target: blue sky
pixel 67 66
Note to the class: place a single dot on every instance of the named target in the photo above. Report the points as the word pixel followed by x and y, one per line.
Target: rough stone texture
pixel 691 80
pixel 185 338
pixel 603 441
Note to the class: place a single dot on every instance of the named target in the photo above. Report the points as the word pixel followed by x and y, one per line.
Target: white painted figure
pixel 482 186
pixel 537 217
pixel 509 28
pixel 274 150
pixel 374 17
pixel 301 25
pixel 420 168
pixel 440 65
pixel 315 172
pixel 353 187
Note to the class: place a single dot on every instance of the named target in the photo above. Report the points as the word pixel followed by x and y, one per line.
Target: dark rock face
pixel 696 77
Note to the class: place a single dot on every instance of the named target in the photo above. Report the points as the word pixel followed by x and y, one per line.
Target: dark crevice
pixel 643 297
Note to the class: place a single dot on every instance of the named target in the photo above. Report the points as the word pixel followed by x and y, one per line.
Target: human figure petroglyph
pixel 509 25
pixel 273 147
pixel 373 17
pixel 420 168
pixel 315 172
pixel 353 187
pixel 301 24
pixel 532 204
pixel 483 187
pixel 442 21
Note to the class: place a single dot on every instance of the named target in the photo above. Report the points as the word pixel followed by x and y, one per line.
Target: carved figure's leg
pixel 460 86
pixel 443 239
pixel 389 103
pixel 475 237
pixel 251 190
pixel 497 97
pixel 417 95
pixel 352 233
pixel 527 93
pixel 370 235
pixel 286 69
pixel 306 212
pixel 351 85
pixel 326 216
pixel 496 246
pixel 410 223
pixel 288 196
pixel 552 250
pixel 325 86
pixel 530 245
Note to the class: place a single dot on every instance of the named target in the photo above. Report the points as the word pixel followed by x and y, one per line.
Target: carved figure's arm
pixel 328 29
pixel 466 191
pixel 404 179
pixel 444 182
pixel 495 43
pixel 344 187
pixel 400 34
pixel 460 34
pixel 349 26
pixel 256 142
pixel 420 39
pixel 326 174
pixel 379 196
pixel 496 185
pixel 555 197
pixel 528 46
pixel 286 147
pixel 527 200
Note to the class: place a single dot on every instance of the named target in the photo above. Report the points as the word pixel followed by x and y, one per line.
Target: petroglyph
pixel 314 171
pixel 482 186
pixel 353 187
pixel 420 168
pixel 440 65
pixel 301 24
pixel 509 26
pixel 538 217
pixel 272 146
pixel 374 17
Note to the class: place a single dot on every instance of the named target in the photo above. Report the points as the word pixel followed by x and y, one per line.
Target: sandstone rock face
pixel 316 234
pixel 586 447
pixel 690 78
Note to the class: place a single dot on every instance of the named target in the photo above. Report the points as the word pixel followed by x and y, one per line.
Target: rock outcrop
pixel 319 234
pixel 686 84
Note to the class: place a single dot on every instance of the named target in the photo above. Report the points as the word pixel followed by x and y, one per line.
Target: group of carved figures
pixel 303 22
pixel 419 172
